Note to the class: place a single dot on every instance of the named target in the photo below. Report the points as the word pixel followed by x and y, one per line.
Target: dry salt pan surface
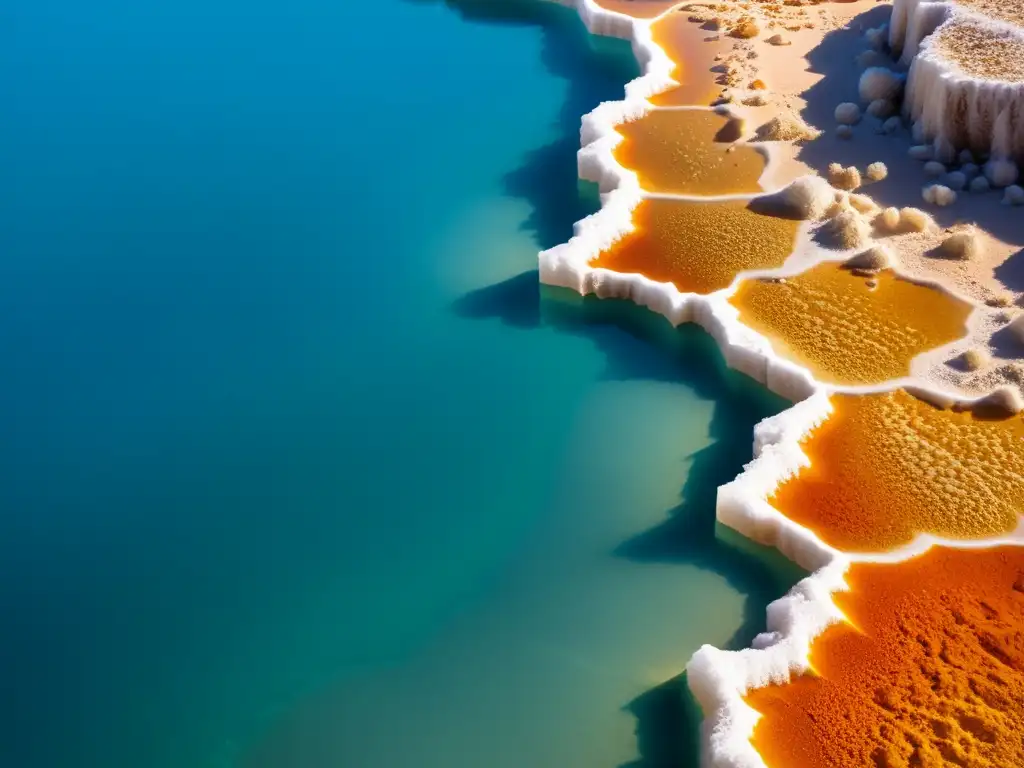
pixel 844 227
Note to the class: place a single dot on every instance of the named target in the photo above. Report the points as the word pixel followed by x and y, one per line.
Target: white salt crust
pixel 719 679
pixel 951 106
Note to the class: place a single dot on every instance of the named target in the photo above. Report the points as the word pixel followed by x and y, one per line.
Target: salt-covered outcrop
pixel 965 88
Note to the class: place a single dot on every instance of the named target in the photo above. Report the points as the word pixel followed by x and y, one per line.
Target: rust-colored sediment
pixel 638 9
pixel 699 246
pixel 681 152
pixel 887 467
pixel 833 323
pixel 684 43
pixel 930 674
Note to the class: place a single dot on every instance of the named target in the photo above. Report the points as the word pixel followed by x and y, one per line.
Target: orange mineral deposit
pixel 683 41
pixel 848 329
pixel 699 246
pixel 687 152
pixel 886 467
pixel 931 672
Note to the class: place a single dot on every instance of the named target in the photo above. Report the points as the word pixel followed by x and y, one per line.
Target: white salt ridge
pixel 984 115
pixel 719 679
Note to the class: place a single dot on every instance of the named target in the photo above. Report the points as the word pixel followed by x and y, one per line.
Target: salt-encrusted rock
pixel 956 180
pixel 970 170
pixel 979 184
pixel 777 40
pixel 745 29
pixel 872 58
pixel 976 359
pixel 844 132
pixel 921 152
pixel 915 220
pixel 806 198
pixel 874 259
pixel 881 108
pixel 863 204
pixel 965 246
pixel 879 83
pixel 846 230
pixel 933 169
pixel 876 171
pixel 955 89
pixel 877 37
pixel 938 194
pixel 1016 327
pixel 888 220
pixel 1013 195
pixel 847 113
pixel 843 178
pixel 1001 172
pixel 892 125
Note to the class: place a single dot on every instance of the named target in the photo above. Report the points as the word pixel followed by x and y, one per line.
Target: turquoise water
pixel 299 467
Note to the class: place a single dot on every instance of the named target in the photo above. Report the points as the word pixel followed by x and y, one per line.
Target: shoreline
pixel 720 679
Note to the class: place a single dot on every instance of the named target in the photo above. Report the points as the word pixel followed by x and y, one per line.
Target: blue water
pixel 298 467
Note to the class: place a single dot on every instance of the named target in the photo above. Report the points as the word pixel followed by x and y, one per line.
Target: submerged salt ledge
pixel 720 679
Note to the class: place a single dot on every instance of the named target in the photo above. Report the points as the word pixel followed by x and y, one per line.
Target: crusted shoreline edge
pixel 720 679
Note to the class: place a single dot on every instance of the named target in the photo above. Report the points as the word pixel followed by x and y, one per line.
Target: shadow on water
pixel 667 717
pixel 594 69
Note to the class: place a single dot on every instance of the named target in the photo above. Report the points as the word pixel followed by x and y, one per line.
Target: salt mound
pixel 843 178
pixel 965 246
pixel 915 220
pixel 863 204
pixel 1001 172
pixel 881 108
pixel 847 113
pixel 786 127
pixel 1017 328
pixel 874 259
pixel 956 180
pixel 846 230
pixel 934 169
pixel 892 125
pixel 1003 402
pixel 888 220
pixel 1013 195
pixel 806 198
pixel 976 359
pixel 979 184
pixel 879 83
pixel 938 194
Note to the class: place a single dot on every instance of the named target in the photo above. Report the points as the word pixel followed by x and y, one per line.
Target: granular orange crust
pixel 931 672
pixel 699 247
pixel 834 323
pixel 686 152
pixel 889 466
pixel 683 42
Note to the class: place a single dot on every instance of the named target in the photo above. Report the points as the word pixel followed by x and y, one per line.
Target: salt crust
pixel 983 114
pixel 719 679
